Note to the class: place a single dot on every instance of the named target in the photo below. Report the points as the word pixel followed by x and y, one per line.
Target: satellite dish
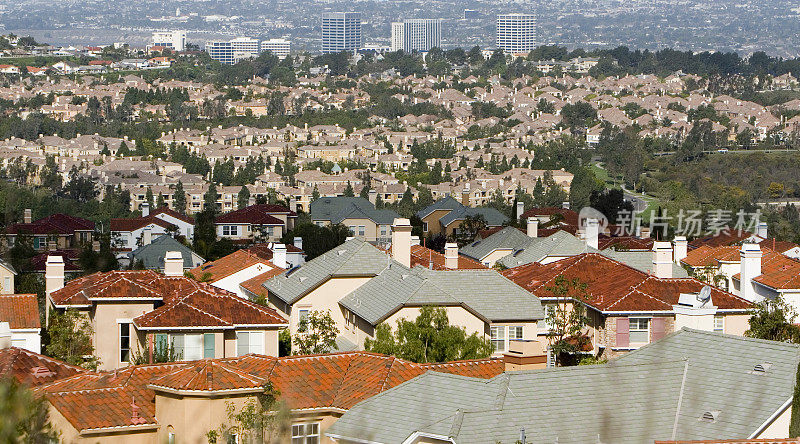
pixel 705 294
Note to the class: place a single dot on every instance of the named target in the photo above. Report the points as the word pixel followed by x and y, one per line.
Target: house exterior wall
pixel 737 324
pixel 190 418
pixel 28 339
pixel 779 428
pixel 6 281
pixel 326 297
pixel 370 228
pixel 106 318
pixel 184 228
pixel 231 283
pixel 490 259
pixel 434 227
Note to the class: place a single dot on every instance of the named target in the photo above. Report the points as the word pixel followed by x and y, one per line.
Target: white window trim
pixel 648 331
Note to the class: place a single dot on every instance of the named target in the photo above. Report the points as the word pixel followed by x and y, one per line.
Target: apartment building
pixel 172 40
pixel 341 31
pixel 231 52
pixel 516 33
pixel 416 35
pixel 278 47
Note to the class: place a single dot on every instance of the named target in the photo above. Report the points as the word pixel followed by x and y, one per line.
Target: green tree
pixel 316 333
pixel 210 199
pixel 243 198
pixel 567 318
pixel 773 319
pixel 468 229
pixel 348 190
pixel 429 338
pixel 70 336
pixel 179 198
pixel 317 240
pixel 23 415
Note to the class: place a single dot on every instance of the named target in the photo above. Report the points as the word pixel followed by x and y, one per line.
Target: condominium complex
pixel 341 31
pixel 516 33
pixel 278 47
pixel 230 52
pixel 416 35
pixel 173 40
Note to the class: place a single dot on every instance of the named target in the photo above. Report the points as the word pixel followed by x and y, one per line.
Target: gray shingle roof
pixel 152 255
pixel 492 217
pixel 508 238
pixel 353 258
pixel 486 293
pixel 446 203
pixel 337 209
pixel 558 244
pixel 657 392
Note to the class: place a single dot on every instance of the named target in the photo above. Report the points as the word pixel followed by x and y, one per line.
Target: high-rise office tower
pixel 278 47
pixel 230 52
pixel 341 31
pixel 416 35
pixel 516 33
pixel 174 40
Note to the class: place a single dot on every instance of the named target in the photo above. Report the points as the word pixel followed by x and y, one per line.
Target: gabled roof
pixel 255 215
pixel 33 369
pixel 508 238
pixel 492 217
pixel 708 256
pixel 445 203
pixel 660 391
pixel 642 261
pixel 615 287
pixel 558 244
pixel 152 254
pixel 334 381
pixel 724 237
pixel 337 209
pixel 228 265
pixel 57 223
pixel 21 311
pixel 132 224
pixel 485 293
pixel 427 258
pixel 353 258
pixel 169 212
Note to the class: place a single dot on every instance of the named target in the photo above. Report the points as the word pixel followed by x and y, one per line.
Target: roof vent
pixel 710 416
pixel 516 253
pixel 761 368
pixel 475 243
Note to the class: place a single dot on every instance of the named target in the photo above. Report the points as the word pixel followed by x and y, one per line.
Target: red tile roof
pixel 708 256
pixel 208 307
pixel 21 311
pixel 334 381
pixel 778 271
pixel 725 237
pixel 568 217
pixel 173 213
pixel 255 215
pixel 70 257
pixel 56 223
pixel 255 285
pixel 227 265
pixel 613 286
pixel 33 369
pixel 138 222
pixel 776 245
pixel 624 242
pixel 264 251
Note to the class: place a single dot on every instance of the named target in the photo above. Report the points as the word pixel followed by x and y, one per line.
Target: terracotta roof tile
pixel 57 223
pixel 724 237
pixel 614 286
pixel 227 265
pixel 33 369
pixel 20 310
pixel 425 257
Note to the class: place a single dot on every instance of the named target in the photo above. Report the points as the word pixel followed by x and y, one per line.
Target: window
pixel 302 315
pixel 249 342
pixel 161 343
pixel 361 230
pixel 498 338
pixel 7 284
pixel 305 433
pixel 425 227
pixel 208 346
pixel 639 330
pixel 514 332
pixel 188 346
pixel 352 229
pixel 719 323
pixel 39 242
pixel 124 342
pixel 230 230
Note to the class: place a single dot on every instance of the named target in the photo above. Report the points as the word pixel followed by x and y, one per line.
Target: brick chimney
pixel 680 248
pixel 451 256
pixel 662 259
pixel 401 241
pixel 173 263
pixel 465 195
pixel 750 268
pixel 533 227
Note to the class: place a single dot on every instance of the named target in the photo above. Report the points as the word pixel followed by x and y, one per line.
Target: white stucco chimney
pixel 644 233
pixel 592 233
pixel 373 196
pixel 662 260
pixel 401 241
pixel 147 236
pixel 27 216
pixel 298 242
pixel 520 209
pixel 53 280
pixel 750 256
pixel 762 230
pixel 680 248
pixel 145 207
pixel 451 256
pixel 293 204
pixel 565 205
pixel 279 255
pixel 173 263
pixel 415 240
pixel 533 227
